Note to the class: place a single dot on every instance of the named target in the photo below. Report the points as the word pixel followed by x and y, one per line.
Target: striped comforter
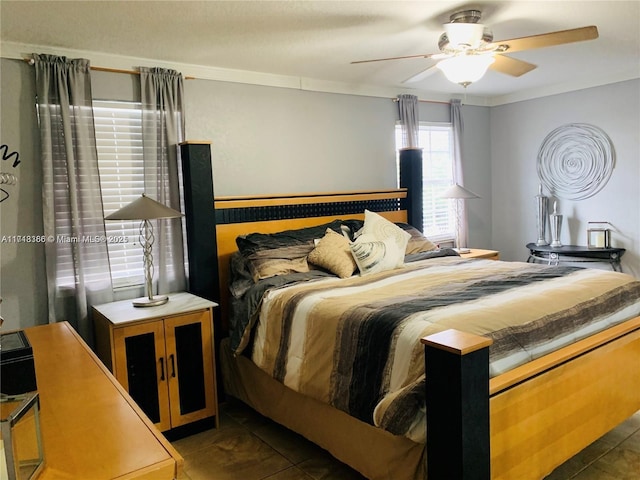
pixel 354 343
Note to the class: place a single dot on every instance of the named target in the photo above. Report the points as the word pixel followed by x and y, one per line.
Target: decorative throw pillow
pixel 373 255
pixel 333 253
pixel 381 229
pixel 418 243
pixel 280 253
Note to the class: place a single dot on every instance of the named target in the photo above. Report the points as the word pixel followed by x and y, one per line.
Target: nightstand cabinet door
pixel 140 367
pixel 190 373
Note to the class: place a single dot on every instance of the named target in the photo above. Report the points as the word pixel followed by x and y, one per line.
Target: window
pixel 120 162
pixel 436 140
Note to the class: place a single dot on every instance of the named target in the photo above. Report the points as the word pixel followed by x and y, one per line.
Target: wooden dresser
pixel 91 428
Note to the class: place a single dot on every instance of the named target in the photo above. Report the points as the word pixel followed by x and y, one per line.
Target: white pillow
pixel 381 229
pixel 373 255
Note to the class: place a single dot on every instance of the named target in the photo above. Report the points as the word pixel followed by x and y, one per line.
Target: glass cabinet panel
pixel 141 373
pixel 190 365
pixel 189 344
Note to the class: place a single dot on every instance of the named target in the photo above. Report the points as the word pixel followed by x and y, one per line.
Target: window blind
pixel 118 128
pixel 68 237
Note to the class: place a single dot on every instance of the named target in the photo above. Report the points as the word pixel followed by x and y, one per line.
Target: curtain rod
pixel 31 61
pixel 426 101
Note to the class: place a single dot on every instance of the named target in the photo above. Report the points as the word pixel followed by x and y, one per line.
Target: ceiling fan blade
pixel 511 66
pixel 421 75
pixel 424 55
pixel 547 39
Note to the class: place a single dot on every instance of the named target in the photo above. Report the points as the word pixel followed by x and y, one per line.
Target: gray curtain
pixel 458 127
pixel 163 129
pixel 409 120
pixel 77 261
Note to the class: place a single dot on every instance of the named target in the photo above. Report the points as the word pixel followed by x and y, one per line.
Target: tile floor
pixel 248 446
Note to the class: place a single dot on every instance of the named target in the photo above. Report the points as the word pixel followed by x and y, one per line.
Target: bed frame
pixel 521 424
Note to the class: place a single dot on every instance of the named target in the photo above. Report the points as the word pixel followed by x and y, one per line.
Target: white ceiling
pixel 313 42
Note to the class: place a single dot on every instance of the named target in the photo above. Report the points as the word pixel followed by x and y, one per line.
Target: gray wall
pixel 518 130
pixel 264 140
pixel 267 140
pixel 22 271
pixel 276 140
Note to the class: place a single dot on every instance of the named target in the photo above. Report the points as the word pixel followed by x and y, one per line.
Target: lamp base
pixel 150 302
pixel 463 250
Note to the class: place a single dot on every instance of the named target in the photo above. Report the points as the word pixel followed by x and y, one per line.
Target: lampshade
pixel 458 191
pixel 144 208
pixel 466 68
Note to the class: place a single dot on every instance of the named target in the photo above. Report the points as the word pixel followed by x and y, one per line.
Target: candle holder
pixel 541 217
pixel 555 220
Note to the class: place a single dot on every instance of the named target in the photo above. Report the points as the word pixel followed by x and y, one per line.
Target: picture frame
pixel 598 235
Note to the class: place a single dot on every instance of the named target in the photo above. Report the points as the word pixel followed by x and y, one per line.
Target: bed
pixel 514 412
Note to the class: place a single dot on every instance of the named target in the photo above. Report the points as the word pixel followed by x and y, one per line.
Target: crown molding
pixel 580 84
pixel 120 62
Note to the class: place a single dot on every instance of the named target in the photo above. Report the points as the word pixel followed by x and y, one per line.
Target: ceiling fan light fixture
pixel 465 69
pixel 464 35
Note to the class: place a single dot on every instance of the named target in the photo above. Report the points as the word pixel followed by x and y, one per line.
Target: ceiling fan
pixel 467 49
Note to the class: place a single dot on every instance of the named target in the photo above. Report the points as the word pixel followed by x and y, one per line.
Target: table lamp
pixel 459 194
pixel 146 209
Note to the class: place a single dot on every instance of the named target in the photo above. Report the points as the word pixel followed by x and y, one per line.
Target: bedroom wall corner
pixel 476 165
pixel 518 130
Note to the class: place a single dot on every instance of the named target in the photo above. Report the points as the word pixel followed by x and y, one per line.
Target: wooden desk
pixel 91 428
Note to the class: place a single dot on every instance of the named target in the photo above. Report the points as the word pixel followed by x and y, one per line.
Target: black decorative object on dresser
pixel 17 369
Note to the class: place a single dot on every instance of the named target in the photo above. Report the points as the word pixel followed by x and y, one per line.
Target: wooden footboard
pixel 544 412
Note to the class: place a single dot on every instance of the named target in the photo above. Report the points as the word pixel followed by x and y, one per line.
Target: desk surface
pixel 577 250
pixel 91 429
pixel 575 253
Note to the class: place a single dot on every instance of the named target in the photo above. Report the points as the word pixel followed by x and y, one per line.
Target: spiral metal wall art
pixel 575 161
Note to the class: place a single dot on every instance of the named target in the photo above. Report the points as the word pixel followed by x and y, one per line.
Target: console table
pixel 91 428
pixel 575 253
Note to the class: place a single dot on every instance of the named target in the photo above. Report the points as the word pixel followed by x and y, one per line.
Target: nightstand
pixel 478 253
pixel 163 356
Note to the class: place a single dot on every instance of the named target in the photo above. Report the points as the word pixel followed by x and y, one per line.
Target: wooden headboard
pixel 241 215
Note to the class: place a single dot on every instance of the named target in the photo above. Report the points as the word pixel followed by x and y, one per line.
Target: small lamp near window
pixel 459 194
pixel 146 209
pixel 598 235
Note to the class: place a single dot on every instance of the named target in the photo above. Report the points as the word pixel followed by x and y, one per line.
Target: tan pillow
pixel 333 253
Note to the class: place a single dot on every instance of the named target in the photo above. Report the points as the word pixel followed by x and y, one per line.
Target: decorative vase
pixel 541 217
pixel 555 220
